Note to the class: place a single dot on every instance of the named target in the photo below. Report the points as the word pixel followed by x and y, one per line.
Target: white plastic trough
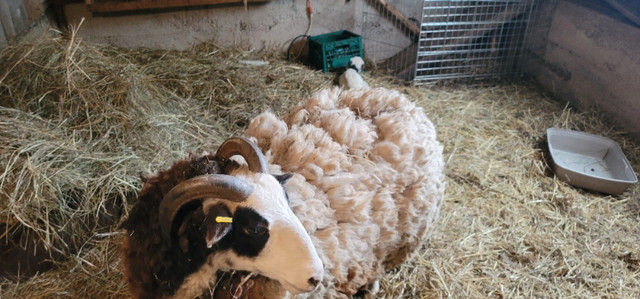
pixel 589 161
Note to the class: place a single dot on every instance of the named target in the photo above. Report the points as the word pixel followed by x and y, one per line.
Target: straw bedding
pixel 80 122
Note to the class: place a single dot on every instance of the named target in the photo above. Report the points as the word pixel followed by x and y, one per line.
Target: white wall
pixel 592 61
pixel 273 23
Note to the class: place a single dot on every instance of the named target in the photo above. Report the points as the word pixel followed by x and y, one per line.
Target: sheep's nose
pixel 314 281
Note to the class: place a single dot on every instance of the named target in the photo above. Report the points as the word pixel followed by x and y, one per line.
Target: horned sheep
pixel 206 214
pixel 367 186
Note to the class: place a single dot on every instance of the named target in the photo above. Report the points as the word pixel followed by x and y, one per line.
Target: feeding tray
pixel 589 161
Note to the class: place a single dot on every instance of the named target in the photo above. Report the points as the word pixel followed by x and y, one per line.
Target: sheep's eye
pixel 256 231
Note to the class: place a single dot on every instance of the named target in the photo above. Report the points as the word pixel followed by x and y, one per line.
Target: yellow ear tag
pixel 221 219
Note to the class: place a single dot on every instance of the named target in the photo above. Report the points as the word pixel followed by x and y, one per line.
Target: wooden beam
pixel 413 28
pixel 102 6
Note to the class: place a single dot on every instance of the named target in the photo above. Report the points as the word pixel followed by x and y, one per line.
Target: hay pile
pixel 509 227
pixel 80 122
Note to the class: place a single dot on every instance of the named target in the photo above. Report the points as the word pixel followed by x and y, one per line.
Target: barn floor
pixel 79 122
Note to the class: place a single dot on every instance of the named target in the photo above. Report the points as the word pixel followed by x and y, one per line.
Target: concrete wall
pixel 589 59
pixel 272 24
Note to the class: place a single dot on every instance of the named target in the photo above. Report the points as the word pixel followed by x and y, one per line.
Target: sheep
pixel 351 77
pixel 367 186
pixel 208 214
pixel 368 181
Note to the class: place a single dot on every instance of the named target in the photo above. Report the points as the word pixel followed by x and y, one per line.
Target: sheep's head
pixel 356 63
pixel 244 220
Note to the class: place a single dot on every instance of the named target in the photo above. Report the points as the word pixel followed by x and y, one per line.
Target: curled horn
pixel 247 149
pixel 204 186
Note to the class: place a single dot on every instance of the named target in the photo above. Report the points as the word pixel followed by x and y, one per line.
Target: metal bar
pixel 471 39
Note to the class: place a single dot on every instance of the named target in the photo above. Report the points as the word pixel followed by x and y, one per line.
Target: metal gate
pixel 471 40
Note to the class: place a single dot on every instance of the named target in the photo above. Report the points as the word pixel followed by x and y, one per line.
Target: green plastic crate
pixel 333 50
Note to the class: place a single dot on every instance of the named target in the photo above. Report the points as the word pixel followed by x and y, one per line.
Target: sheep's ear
pixel 218 224
pixel 283 178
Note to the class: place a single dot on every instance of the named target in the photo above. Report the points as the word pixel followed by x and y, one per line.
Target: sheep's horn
pixel 204 186
pixel 247 149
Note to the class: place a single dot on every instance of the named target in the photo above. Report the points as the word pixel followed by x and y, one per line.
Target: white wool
pixel 321 101
pixel 310 151
pixel 351 79
pixel 370 102
pixel 345 128
pixel 267 124
pixel 314 213
pixel 369 182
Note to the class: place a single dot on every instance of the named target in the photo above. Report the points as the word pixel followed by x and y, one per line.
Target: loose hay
pixel 80 122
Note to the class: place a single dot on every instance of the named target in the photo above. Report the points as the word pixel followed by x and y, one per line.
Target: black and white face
pixel 356 63
pixel 267 238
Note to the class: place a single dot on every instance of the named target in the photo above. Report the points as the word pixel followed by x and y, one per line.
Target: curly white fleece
pixel 369 179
